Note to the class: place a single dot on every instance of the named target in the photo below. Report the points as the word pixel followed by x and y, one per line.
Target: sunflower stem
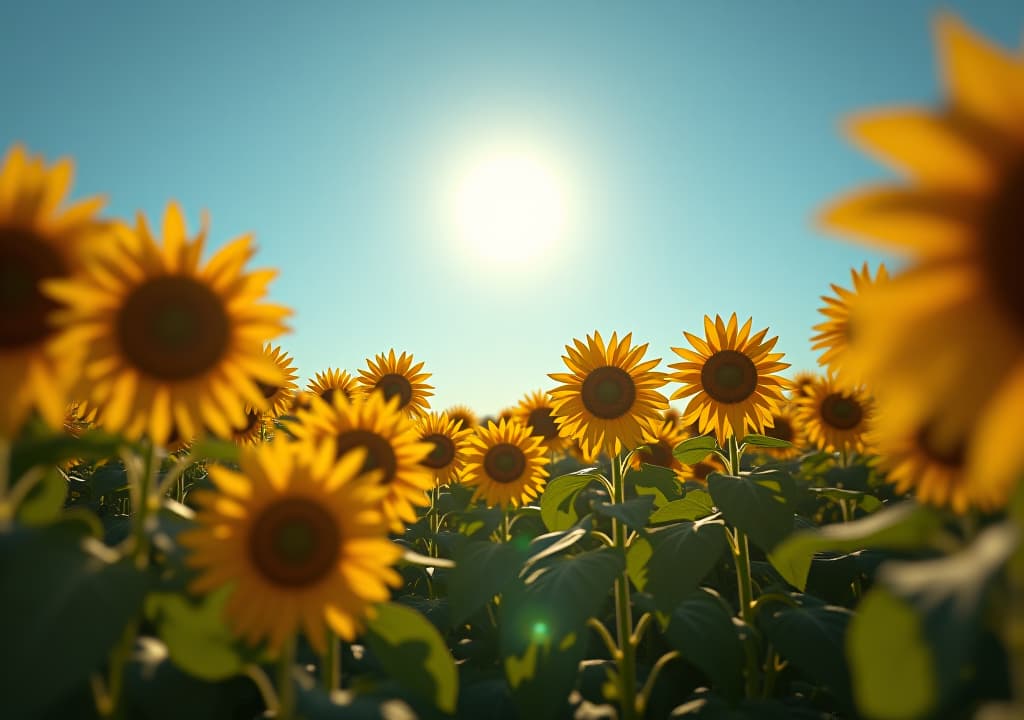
pixel 285 681
pixel 623 614
pixel 330 672
pixel 744 582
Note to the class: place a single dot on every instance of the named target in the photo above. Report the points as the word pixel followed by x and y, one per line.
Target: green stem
pixel 744 582
pixel 330 671
pixel 652 678
pixel 508 526
pixel 602 632
pixel 285 681
pixel 770 671
pixel 623 614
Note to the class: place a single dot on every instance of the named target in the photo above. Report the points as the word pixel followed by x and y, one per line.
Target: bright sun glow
pixel 510 206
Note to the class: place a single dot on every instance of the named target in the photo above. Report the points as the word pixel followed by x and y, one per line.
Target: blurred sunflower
pixel 170 342
pixel 330 382
pixel 39 240
pixel 731 377
pixel 464 416
pixel 609 399
pixel 505 463
pixel 390 440
pixel 785 426
pixel 958 218
pixel 506 414
pixel 398 377
pixel 698 472
pixel 834 418
pixel 449 440
pixel 535 411
pixel 279 396
pixel 801 383
pixel 833 336
pixel 252 431
pixel 672 415
pixel 660 443
pixel 302 543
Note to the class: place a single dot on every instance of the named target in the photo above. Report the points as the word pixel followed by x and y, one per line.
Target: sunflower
pixel 535 411
pixel 279 396
pixel 170 342
pixel 835 418
pixel 833 335
pixel 801 383
pixel 252 431
pixel 731 377
pixel 952 324
pixel 506 464
pixel 79 416
pixel 671 415
pixel 698 472
pixel 328 383
pixel 785 426
pixel 609 400
pixel 660 443
pixel 449 440
pixel 391 442
pixel 464 416
pixel 398 377
pixel 506 414
pixel 39 240
pixel 302 543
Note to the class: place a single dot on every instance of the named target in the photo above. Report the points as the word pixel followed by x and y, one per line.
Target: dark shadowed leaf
pixel 756 504
pixel 482 570
pixel 681 555
pixel 701 629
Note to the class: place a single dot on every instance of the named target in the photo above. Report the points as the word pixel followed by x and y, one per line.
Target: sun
pixel 510 206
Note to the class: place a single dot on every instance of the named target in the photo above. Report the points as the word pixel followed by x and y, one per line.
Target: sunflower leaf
pixel 765 441
pixel 694 450
pixel 701 628
pixel 633 513
pixel 696 505
pixel 681 556
pixel 756 504
pixel 482 570
pixel 557 504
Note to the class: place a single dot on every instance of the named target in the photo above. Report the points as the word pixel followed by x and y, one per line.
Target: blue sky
pixel 696 140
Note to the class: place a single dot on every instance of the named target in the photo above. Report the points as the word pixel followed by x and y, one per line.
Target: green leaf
pixel 695 450
pixel 572 589
pixel 867 502
pixel 553 543
pixel 482 570
pixel 210 448
pixel 681 556
pixel 412 652
pixel 701 629
pixel 480 522
pixel 410 557
pixel 765 441
pixel 557 503
pixel 632 513
pixel 197 638
pixel 61 583
pixel 55 449
pixel 906 526
pixel 45 501
pixel 893 674
pixel 696 505
pixel 811 637
pixel 756 504
pixel 656 481
pixel 942 601
pixel 543 674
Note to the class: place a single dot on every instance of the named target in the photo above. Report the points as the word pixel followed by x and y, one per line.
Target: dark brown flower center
pixel 542 423
pixel 379 453
pixel 294 543
pixel 393 385
pixel 268 391
pixel 608 392
pixel 1002 248
pixel 442 454
pixel 25 260
pixel 504 463
pixel 328 395
pixel 782 430
pixel 252 421
pixel 659 453
pixel 173 327
pixel 949 455
pixel 729 376
pixel 701 471
pixel 841 411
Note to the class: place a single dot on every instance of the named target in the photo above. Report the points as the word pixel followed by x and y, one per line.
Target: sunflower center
pixel 379 453
pixel 461 421
pixel 294 542
pixel 173 328
pixel 542 423
pixel 25 260
pixel 783 430
pixel 659 453
pixel 268 390
pixel 701 471
pixel 394 384
pixel 252 419
pixel 950 456
pixel 504 463
pixel 729 376
pixel 608 392
pixel 841 411
pixel 443 452
pixel 1003 248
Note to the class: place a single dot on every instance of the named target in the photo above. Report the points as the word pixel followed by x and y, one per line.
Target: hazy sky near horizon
pixel 694 143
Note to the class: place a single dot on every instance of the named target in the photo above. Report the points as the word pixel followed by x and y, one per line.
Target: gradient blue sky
pixel 698 140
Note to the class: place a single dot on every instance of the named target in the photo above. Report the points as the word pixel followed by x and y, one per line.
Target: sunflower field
pixel 187 533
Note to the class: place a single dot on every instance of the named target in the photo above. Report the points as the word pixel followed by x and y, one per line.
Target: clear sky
pixel 693 141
